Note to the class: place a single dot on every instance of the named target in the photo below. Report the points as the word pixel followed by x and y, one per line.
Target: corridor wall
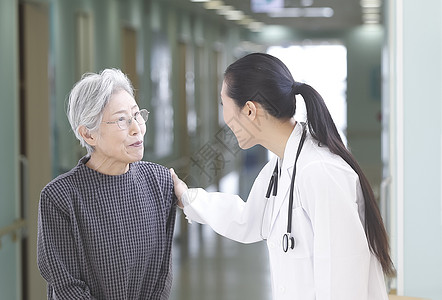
pixel 10 270
pixel 414 130
pixel 87 36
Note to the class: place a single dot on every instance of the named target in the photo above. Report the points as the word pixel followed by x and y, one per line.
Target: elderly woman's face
pixel 116 145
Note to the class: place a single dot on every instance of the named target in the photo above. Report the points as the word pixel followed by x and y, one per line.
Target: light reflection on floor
pixel 211 267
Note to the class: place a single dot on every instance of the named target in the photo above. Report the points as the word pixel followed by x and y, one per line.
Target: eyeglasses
pixel 123 122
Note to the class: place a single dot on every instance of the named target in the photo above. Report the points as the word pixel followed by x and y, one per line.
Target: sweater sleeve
pixel 341 255
pixel 164 283
pixel 56 255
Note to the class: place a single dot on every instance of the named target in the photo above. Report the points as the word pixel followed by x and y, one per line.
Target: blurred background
pixel 377 63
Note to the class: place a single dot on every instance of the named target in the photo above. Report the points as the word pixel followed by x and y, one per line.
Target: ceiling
pixel 345 14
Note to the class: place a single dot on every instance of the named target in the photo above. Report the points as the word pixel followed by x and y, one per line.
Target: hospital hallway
pixel 377 64
pixel 212 267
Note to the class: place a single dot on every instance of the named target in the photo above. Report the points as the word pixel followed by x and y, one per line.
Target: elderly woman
pixel 105 227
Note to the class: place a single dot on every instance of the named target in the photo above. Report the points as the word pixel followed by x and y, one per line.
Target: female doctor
pixel 311 202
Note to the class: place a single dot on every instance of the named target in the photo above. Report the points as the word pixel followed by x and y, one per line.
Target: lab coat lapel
pixel 286 170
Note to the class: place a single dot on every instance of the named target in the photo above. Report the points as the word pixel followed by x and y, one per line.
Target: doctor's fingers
pixel 175 178
pixel 179 186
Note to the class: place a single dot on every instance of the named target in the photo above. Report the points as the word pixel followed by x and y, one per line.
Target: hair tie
pixel 295 87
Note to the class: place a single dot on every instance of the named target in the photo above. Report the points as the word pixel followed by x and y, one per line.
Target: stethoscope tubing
pixel 288 241
pixel 292 184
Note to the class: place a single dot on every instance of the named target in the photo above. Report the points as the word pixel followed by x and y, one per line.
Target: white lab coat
pixel 331 259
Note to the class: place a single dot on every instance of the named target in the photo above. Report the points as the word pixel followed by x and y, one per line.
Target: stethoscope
pixel 288 241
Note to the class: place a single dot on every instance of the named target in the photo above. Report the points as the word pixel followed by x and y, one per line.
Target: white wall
pixel 415 79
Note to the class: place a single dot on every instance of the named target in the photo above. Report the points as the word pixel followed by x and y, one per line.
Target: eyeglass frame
pixel 129 121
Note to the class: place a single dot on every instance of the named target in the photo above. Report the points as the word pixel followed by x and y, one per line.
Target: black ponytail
pixel 323 129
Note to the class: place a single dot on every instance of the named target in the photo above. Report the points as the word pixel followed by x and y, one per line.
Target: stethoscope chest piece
pixel 288 242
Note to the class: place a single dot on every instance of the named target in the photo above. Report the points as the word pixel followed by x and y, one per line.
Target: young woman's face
pixel 236 120
pixel 115 145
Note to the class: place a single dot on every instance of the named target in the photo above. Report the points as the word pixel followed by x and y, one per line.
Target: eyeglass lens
pixel 141 117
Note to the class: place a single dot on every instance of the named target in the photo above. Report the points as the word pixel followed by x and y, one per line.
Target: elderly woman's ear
pixel 89 137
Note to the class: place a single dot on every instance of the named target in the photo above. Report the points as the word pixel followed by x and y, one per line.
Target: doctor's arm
pixel 340 252
pixel 227 214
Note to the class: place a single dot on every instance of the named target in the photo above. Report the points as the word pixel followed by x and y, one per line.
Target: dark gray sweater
pixel 107 237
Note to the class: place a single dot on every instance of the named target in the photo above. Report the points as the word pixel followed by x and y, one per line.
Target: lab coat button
pixel 281 289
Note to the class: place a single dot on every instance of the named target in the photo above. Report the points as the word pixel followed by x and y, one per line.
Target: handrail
pixel 18 224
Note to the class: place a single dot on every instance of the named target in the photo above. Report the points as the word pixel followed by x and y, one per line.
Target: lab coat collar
pixel 286 169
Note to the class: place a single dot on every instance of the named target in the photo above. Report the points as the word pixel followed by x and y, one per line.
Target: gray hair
pixel 90 95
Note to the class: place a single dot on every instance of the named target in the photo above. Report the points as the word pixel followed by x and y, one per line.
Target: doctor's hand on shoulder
pixel 179 186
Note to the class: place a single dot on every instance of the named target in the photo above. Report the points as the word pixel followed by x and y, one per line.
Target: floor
pixel 210 267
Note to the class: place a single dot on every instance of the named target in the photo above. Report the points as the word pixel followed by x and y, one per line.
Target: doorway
pixel 35 149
